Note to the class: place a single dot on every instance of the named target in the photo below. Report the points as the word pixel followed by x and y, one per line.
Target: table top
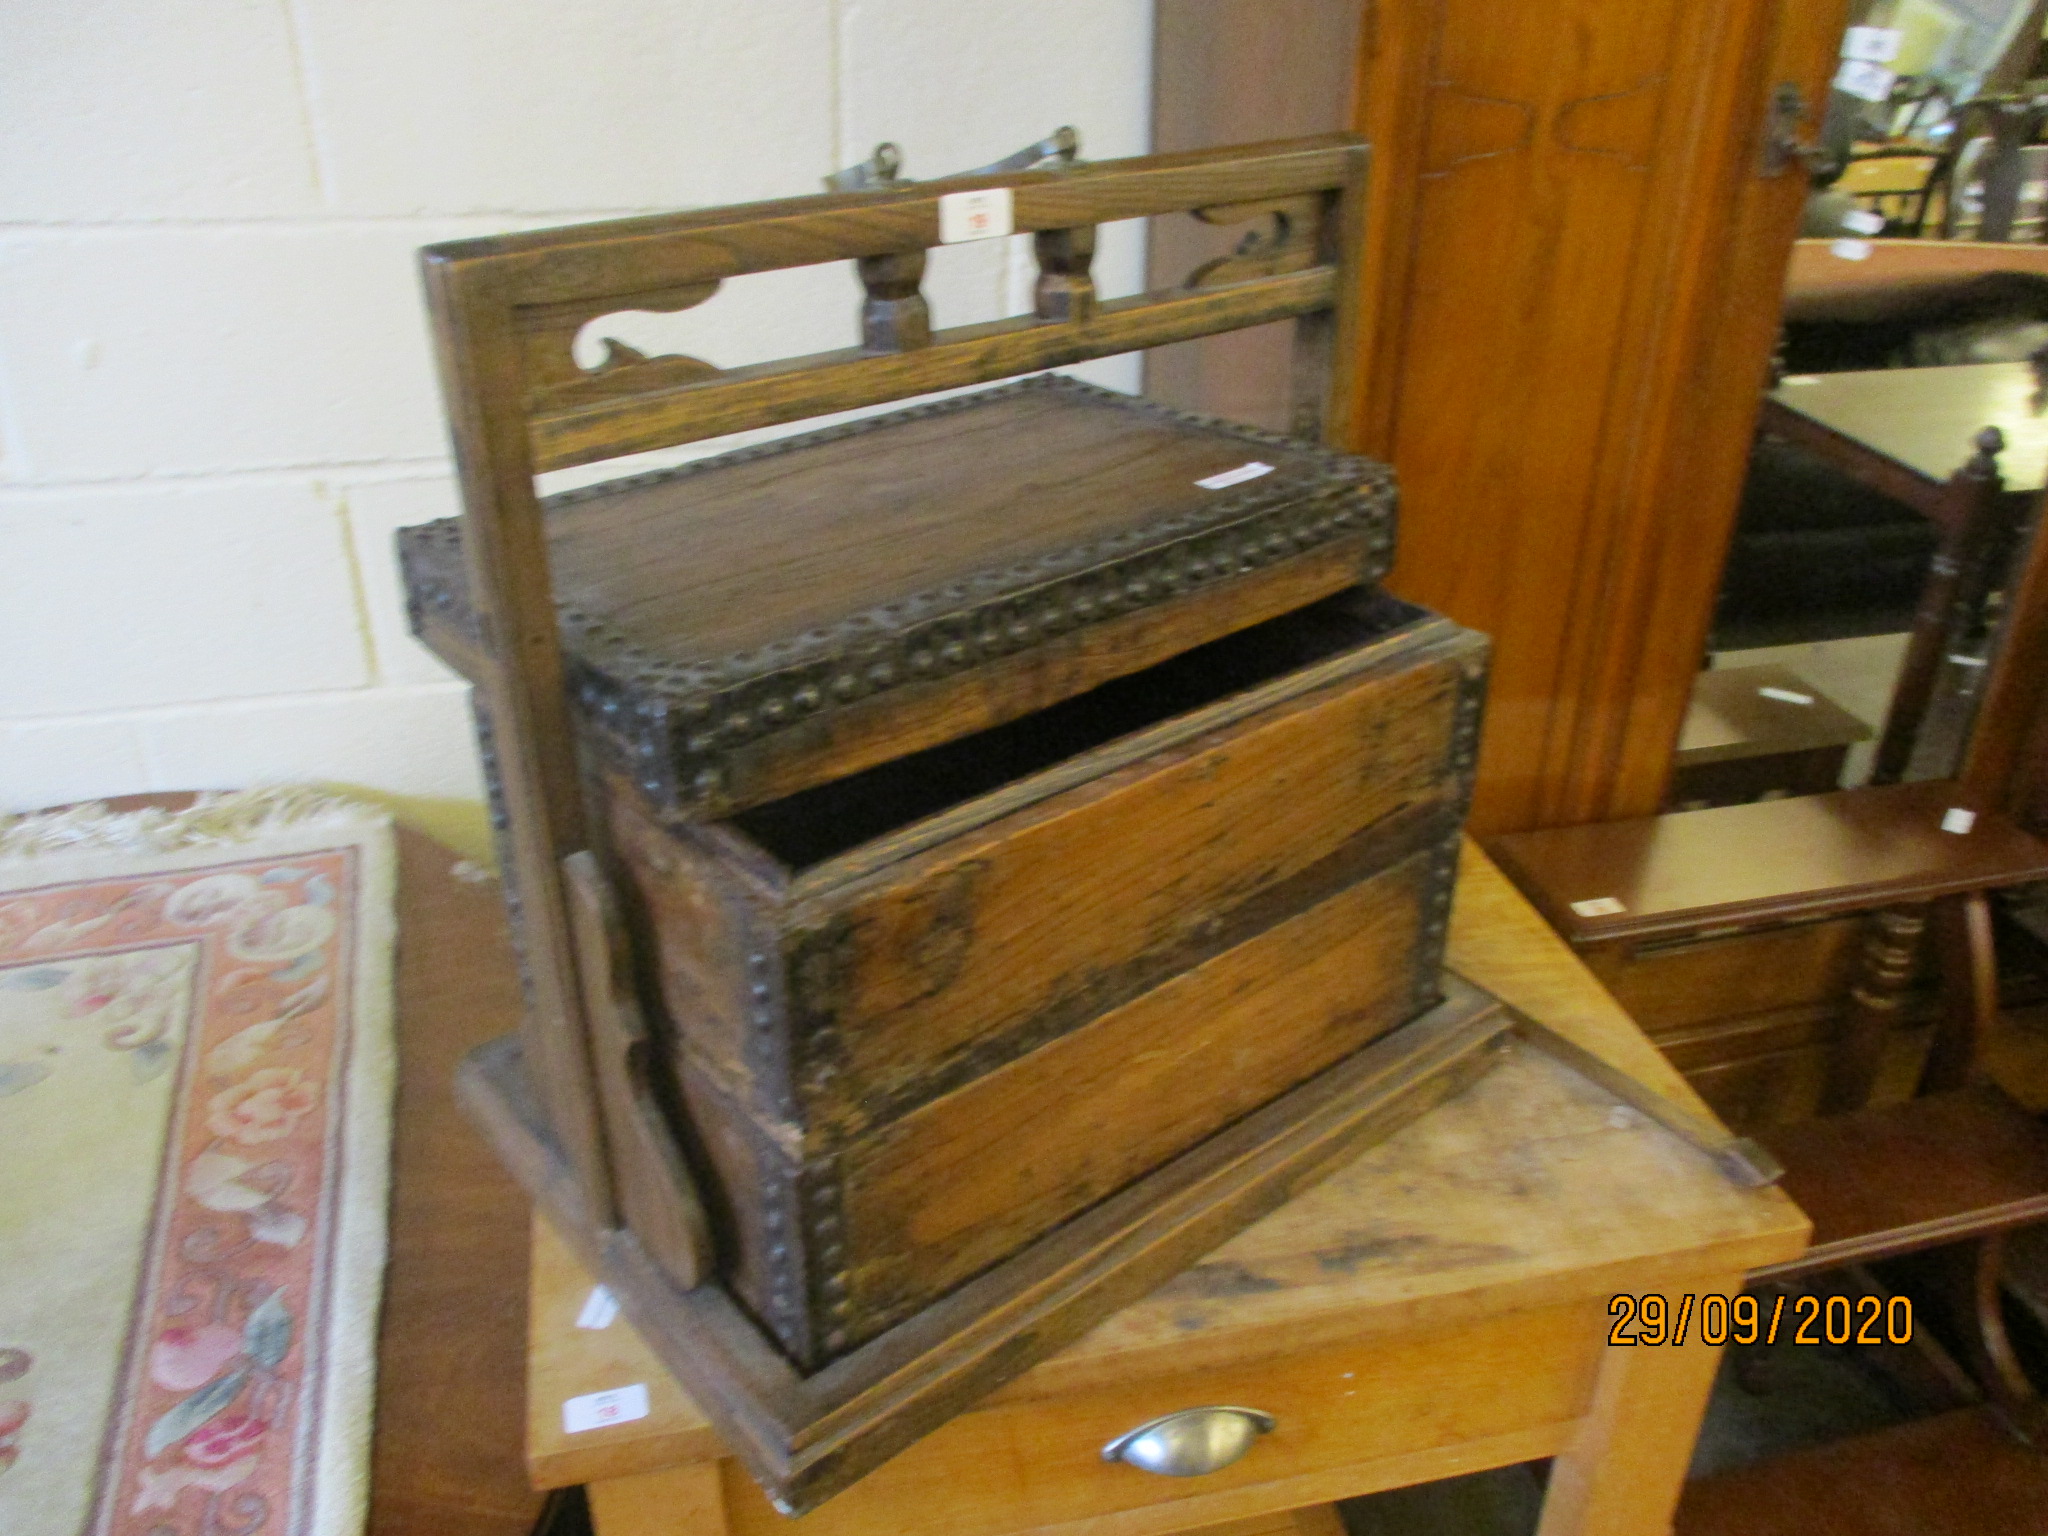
pixel 1739 712
pixel 1894 279
pixel 1527 1190
pixel 1926 418
pixel 1772 861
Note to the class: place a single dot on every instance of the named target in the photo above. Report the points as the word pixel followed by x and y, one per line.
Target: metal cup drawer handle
pixel 1191 1442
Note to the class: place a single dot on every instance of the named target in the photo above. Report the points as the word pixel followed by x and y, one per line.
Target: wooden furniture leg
pixel 1969 991
pixel 1975 1288
pixel 1884 968
pixel 1969 518
pixel 683 1501
pixel 1622 1474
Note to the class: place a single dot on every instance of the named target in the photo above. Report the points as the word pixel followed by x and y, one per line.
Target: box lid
pixel 743 627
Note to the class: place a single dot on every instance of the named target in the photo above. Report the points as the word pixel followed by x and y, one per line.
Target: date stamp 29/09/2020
pixel 1714 1319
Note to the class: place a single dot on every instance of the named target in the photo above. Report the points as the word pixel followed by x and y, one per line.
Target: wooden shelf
pixel 1939 1169
pixel 1957 1474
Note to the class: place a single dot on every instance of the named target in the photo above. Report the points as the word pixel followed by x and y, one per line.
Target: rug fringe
pixel 210 821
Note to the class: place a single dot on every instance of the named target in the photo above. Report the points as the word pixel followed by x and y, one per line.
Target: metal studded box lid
pixel 746 626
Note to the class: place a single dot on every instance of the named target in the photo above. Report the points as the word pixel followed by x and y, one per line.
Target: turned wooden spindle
pixel 1891 944
pixel 1066 291
pixel 894 317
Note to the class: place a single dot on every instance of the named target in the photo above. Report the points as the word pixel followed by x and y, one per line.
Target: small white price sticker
pixel 979 215
pixel 1600 906
pixel 600 1308
pixel 601 1410
pixel 1237 476
pixel 1863 221
pixel 1864 80
pixel 1957 819
pixel 1785 695
pixel 1877 45
pixel 1851 250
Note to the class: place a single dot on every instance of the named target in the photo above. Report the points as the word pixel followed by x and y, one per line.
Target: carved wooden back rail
pixel 507 312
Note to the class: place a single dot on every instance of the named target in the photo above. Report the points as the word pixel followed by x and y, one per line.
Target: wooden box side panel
pixel 710 936
pixel 970 954
pixel 958 1184
pixel 761 1219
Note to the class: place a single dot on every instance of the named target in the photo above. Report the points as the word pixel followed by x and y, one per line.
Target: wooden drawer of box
pixel 903 1006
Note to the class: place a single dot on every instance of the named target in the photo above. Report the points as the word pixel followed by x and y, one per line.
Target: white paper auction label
pixel 1862 79
pixel 600 1308
pixel 981 215
pixel 1600 906
pixel 1237 476
pixel 1875 45
pixel 601 1410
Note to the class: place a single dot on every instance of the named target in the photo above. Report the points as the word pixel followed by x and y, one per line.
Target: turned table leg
pixel 1890 945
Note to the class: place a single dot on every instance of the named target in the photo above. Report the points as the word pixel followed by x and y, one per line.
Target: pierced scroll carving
pixel 1291 244
pixel 1066 290
pixel 562 338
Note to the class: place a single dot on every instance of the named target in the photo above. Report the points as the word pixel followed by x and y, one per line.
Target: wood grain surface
pixel 445 1456
pixel 1771 862
pixel 961 908
pixel 964 1180
pixel 1907 1176
pixel 902 1005
pixel 498 305
pixel 748 625
pixel 1897 279
pixel 732 557
pixel 1523 1193
pixel 808 1437
pixel 1960 1473
pixel 1570 468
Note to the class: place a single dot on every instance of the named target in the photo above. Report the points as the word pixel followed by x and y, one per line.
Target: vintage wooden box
pixel 967 859
pixel 881 988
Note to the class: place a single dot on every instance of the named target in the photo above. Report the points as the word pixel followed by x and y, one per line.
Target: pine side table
pixel 1440 1306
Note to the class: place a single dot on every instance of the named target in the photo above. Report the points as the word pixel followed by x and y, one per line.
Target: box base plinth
pixel 804 1438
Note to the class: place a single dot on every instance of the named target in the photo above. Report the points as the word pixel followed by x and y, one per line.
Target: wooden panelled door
pixel 1571 295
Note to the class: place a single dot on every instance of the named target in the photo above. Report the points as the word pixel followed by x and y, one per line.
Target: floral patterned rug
pixel 195 1089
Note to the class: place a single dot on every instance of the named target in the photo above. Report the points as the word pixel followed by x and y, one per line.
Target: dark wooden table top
pixel 1926 418
pixel 1895 279
pixel 1739 712
pixel 1773 861
pixel 448 1454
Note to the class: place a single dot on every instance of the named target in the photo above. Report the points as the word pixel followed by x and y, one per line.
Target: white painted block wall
pixel 216 399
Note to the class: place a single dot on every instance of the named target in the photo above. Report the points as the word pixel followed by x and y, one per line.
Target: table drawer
pixel 1022 1465
pixel 1669 986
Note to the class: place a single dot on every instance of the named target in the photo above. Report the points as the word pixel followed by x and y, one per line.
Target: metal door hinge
pixel 1783 118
